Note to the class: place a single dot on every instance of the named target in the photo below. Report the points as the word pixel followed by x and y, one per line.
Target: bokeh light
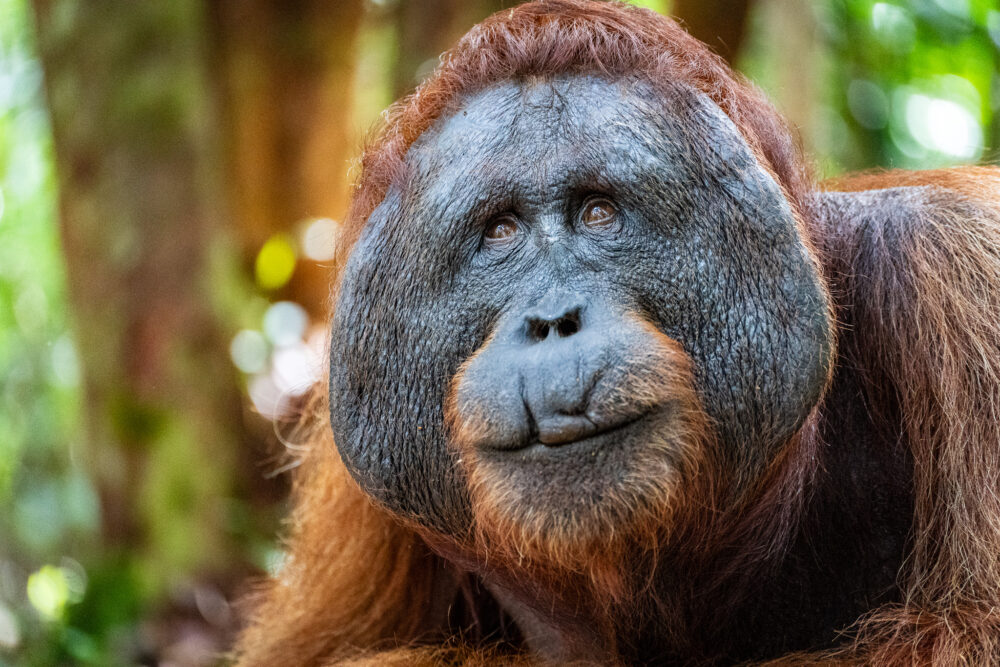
pixel 894 26
pixel 10 630
pixel 868 104
pixel 993 26
pixel 275 262
pixel 249 350
pixel 283 359
pixel 296 368
pixel 285 323
pixel 319 239
pixel 48 592
pixel 268 400
pixel 945 127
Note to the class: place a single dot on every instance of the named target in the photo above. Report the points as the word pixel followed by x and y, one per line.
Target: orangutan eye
pixel 598 213
pixel 502 230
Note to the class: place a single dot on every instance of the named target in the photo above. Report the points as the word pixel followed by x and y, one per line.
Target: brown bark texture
pixel 283 71
pixel 721 24
pixel 427 28
pixel 130 112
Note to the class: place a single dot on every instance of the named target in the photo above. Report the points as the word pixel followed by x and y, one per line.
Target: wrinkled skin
pixel 700 243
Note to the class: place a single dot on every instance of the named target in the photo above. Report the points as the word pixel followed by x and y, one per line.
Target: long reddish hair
pixel 342 548
pixel 356 579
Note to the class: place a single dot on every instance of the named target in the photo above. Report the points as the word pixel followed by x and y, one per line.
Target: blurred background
pixel 171 179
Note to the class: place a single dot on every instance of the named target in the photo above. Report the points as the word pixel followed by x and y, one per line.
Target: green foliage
pixel 917 83
pixel 47 505
pixel 904 83
pixel 662 6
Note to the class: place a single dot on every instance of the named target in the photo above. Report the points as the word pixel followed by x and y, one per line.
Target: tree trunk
pixel 128 98
pixel 719 23
pixel 796 62
pixel 793 70
pixel 284 70
pixel 427 28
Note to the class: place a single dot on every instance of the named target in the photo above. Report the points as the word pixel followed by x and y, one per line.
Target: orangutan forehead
pixel 556 125
pixel 521 121
pixel 548 107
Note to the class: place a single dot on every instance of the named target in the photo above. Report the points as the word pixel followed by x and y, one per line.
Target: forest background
pixel 171 179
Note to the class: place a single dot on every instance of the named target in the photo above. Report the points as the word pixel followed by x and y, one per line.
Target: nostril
pixel 568 325
pixel 560 322
pixel 538 329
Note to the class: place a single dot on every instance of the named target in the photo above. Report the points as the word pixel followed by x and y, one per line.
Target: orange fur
pixel 658 376
pixel 932 326
pixel 354 579
pixel 929 318
pixel 580 555
pixel 437 656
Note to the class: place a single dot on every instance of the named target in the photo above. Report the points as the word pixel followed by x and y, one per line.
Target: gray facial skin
pixel 704 246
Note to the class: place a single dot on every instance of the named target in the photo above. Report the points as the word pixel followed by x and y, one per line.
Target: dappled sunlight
pixel 319 239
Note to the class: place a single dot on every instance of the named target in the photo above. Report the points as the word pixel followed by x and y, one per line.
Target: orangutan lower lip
pixel 565 430
pixel 562 429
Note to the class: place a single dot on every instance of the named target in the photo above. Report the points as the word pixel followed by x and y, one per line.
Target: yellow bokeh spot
pixel 48 591
pixel 275 262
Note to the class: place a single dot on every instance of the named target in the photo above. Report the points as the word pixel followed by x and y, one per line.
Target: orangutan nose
pixel 557 359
